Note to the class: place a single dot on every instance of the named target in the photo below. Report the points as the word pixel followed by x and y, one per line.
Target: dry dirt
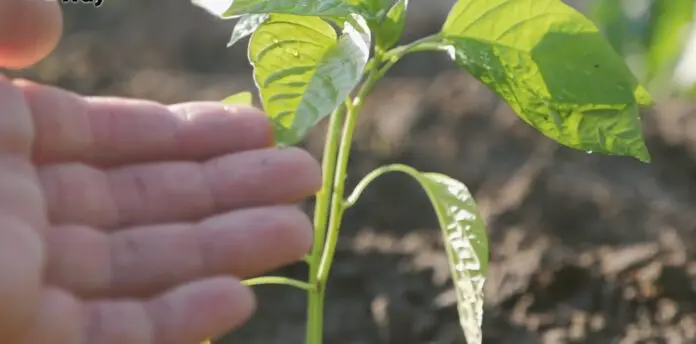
pixel 585 248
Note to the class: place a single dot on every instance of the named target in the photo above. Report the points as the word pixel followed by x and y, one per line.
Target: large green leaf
pixel 554 68
pixel 303 71
pixel 652 43
pixel 615 24
pixel 390 29
pixel 464 235
pixel 320 8
pixel 668 29
pixel 374 9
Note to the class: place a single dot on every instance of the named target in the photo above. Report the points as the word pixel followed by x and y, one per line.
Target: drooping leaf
pixel 464 235
pixel 392 27
pixel 554 68
pixel 241 98
pixel 668 29
pixel 245 27
pixel 303 71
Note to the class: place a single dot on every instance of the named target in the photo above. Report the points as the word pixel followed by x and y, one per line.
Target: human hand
pixel 128 222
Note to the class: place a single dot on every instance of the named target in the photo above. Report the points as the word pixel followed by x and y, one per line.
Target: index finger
pixel 107 131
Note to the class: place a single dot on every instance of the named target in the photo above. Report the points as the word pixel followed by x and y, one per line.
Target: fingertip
pixel 295 232
pixel 254 111
pixel 29 30
pixel 205 309
pixel 229 302
pixel 309 166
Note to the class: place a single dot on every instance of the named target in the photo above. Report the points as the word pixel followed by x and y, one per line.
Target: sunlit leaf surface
pixel 304 71
pixel 554 68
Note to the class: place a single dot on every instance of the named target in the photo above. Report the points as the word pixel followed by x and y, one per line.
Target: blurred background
pixel 585 248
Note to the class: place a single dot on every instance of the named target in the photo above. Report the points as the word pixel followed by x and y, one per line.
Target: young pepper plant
pixel 314 59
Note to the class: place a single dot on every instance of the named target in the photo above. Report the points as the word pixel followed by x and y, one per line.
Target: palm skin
pixel 126 221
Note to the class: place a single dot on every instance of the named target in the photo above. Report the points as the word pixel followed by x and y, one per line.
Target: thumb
pixel 29 30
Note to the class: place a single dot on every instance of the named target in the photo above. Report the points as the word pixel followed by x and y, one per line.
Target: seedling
pixel 314 59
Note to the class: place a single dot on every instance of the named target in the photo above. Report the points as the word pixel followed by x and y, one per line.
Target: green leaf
pixel 614 23
pixel 235 8
pixel 625 32
pixel 241 98
pixel 617 27
pixel 372 9
pixel 303 71
pixel 690 92
pixel 464 233
pixel 465 237
pixel 554 68
pixel 668 29
pixel 392 27
pixel 652 42
pixel 246 25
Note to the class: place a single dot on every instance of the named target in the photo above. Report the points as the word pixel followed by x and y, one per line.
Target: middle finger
pixel 177 191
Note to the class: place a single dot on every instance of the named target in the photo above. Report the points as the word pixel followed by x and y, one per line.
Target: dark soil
pixel 585 248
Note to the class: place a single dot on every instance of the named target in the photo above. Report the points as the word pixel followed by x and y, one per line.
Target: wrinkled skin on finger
pixel 128 221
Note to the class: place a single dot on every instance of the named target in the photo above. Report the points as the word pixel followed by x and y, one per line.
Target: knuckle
pixel 16 126
pixel 21 196
pixel 20 192
pixel 77 192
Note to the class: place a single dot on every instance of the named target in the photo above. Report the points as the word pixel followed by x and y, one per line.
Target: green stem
pixel 278 280
pixel 357 192
pixel 337 206
pixel 329 205
pixel 428 43
pixel 315 297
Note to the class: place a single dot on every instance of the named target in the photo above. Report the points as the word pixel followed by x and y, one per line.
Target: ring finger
pixel 140 262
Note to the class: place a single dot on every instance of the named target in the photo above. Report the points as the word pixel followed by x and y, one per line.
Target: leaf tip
pixel 640 152
pixel 644 156
pixel 643 96
pixel 241 98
